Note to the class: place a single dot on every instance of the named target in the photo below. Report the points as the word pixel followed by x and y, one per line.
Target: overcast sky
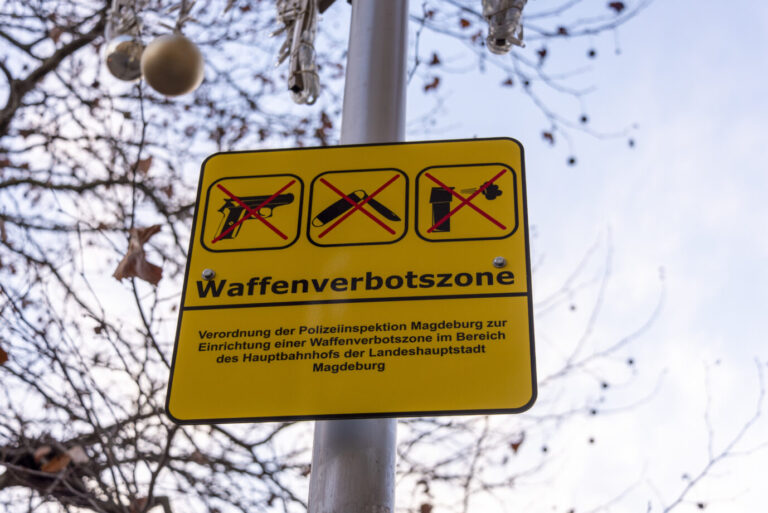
pixel 686 204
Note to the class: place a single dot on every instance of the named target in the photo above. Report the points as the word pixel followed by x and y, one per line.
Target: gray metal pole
pixel 353 461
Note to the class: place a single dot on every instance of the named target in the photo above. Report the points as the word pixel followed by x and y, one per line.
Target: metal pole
pixel 353 461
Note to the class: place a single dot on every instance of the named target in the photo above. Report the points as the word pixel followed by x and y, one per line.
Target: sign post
pixel 353 461
pixel 376 280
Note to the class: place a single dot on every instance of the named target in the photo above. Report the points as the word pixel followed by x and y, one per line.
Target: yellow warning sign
pixel 390 280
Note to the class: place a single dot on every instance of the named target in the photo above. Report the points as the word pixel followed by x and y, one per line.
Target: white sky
pixel 689 199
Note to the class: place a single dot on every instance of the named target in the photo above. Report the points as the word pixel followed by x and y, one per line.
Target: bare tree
pixel 90 167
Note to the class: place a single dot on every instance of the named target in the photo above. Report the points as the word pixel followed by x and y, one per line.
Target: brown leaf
pixel 435 60
pixel 137 505
pixel 542 53
pixel 3 356
pixel 617 6
pixel 432 85
pixel 515 445
pixel 143 165
pixel 198 458
pixel 464 23
pixel 57 464
pixel 326 120
pixel 55 33
pixel 547 136
pixel 508 82
pixel 134 263
pixel 425 508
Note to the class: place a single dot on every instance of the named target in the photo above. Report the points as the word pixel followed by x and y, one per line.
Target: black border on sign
pixel 364 415
pixel 514 198
pixel 312 197
pixel 208 198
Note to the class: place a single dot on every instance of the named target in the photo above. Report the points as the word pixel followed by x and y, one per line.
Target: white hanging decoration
pixel 299 20
pixel 505 26
pixel 124 48
pixel 172 64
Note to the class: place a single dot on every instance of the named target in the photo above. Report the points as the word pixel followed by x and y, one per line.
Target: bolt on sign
pixel 357 281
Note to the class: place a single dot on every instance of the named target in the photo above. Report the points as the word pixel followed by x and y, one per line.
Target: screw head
pixel 499 262
pixel 208 274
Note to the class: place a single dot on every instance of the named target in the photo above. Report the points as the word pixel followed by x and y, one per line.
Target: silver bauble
pixel 172 65
pixel 123 57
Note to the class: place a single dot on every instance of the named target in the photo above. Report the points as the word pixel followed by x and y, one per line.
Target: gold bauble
pixel 172 65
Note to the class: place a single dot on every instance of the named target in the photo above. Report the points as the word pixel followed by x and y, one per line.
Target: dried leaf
pixel 137 505
pixel 143 165
pixel 55 33
pixel 432 85
pixel 464 23
pixel 617 6
pixel 547 136
pixel 198 458
pixel 326 120
pixel 425 508
pixel 3 356
pixel 134 263
pixel 542 53
pixel 515 445
pixel 57 464
pixel 435 60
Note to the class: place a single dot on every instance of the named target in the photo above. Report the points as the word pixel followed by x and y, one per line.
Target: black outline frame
pixel 514 198
pixel 208 198
pixel 367 415
pixel 312 197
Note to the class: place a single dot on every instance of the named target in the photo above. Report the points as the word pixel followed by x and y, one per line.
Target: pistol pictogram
pixel 233 211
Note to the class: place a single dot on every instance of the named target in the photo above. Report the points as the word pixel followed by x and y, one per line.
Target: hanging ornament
pixel 124 48
pixel 504 24
pixel 172 64
pixel 299 19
